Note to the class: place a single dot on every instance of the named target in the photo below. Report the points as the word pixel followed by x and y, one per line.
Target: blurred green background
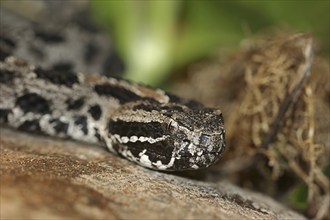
pixel 156 37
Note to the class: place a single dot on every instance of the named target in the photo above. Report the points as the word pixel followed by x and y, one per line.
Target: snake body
pixel 148 126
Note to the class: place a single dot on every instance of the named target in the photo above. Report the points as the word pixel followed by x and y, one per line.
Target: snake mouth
pixel 195 162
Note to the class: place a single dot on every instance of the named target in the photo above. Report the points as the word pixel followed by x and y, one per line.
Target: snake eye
pixel 204 139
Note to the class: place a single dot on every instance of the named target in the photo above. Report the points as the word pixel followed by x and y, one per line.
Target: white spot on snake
pixel 133 139
pixel 170 164
pixel 44 124
pixel 143 139
pixel 144 160
pixel 162 166
pixel 142 153
pixel 159 165
pixel 195 166
pixel 125 139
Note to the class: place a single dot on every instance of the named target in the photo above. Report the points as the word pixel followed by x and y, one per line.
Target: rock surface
pixel 48 178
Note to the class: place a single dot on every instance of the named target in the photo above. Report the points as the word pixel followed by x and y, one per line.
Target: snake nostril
pixel 186 142
pixel 169 125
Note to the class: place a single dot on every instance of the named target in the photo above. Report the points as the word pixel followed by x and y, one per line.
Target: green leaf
pixel 154 37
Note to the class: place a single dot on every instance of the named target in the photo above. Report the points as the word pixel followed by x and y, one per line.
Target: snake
pixel 46 88
pixel 148 126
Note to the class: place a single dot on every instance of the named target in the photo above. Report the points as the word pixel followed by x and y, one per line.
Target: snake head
pixel 198 137
pixel 169 136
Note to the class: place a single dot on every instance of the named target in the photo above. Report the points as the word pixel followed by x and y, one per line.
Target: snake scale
pixel 148 126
